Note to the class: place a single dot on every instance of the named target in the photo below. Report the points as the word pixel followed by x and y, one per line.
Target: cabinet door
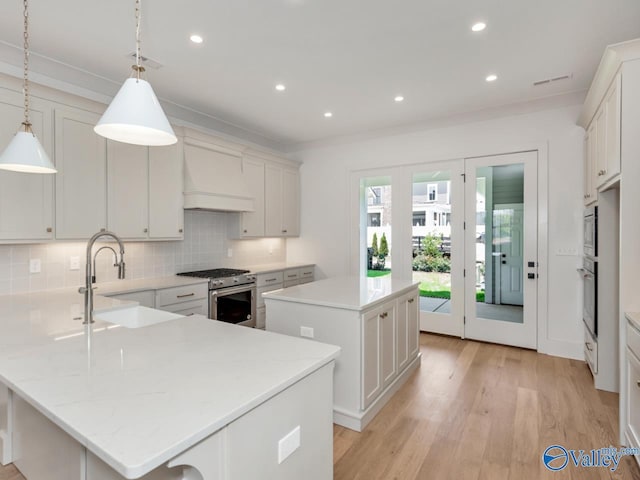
pixel 587 170
pixel 273 201
pixel 26 200
pixel 81 200
pixel 612 153
pixel 166 201
pixel 388 343
pixel 601 146
pixel 371 375
pixel 413 325
pixel 593 163
pixel 290 203
pixel 253 222
pixel 127 190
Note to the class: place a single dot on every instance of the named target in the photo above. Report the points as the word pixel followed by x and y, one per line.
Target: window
pixel 419 219
pixel 373 219
pixel 432 190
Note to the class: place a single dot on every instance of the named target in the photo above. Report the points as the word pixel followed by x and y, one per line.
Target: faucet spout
pixel 90 278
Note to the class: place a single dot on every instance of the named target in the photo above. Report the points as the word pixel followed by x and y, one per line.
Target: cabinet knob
pixel 49 229
pixel 180 230
pixel 103 229
pixel 146 230
pixel 638 383
pixel 411 300
pixel 284 231
pixel 244 231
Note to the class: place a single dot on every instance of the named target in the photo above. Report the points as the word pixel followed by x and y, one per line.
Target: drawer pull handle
pixel 185 295
pixel 271 279
pixel 189 314
pixel 411 300
pixel 291 276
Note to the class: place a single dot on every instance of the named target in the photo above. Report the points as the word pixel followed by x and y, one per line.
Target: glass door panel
pixel 437 254
pixel 377 213
pixel 501 226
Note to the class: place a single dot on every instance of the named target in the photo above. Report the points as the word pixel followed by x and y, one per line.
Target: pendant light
pixel 135 114
pixel 24 153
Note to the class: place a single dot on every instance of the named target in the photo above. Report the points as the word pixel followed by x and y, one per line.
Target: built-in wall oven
pixel 232 295
pixel 589 272
pixel 591 232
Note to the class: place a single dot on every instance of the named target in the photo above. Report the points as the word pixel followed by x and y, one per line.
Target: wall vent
pixel 547 81
pixel 146 61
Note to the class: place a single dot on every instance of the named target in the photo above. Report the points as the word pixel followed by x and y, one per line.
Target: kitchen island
pixel 189 398
pixel 375 323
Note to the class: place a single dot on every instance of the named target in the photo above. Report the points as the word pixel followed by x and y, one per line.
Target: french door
pixel 501 249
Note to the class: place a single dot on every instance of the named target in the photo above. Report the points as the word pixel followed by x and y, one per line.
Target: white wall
pixel 325 212
pixel 205 245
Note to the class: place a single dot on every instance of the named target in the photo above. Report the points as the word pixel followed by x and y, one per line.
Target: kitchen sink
pixel 135 317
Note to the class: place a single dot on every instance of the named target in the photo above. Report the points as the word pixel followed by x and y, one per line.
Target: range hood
pixel 213 180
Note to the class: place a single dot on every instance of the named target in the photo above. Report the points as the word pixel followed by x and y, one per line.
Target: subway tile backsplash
pixel 205 245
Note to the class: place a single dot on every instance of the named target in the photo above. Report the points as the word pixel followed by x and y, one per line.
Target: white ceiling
pixel 350 57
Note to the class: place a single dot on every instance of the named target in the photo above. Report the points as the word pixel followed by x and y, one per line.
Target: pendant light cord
pixel 138 15
pixel 25 87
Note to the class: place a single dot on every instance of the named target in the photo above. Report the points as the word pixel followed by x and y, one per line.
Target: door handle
pixel 504 262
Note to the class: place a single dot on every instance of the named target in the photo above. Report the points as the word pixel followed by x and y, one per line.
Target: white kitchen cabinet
pixel 601 145
pixel 81 157
pixel 591 192
pixel 407 329
pixel 388 344
pixel 167 298
pixel 144 191
pixel 26 200
pixel 291 277
pixel 282 201
pixel 371 374
pixel 166 212
pixel 611 106
pixel 252 223
pixel 632 429
pixel 127 190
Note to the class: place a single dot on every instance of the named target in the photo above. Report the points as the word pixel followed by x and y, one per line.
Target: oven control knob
pixel 236 280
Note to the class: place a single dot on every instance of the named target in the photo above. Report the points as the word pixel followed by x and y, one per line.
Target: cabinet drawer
pixel 591 351
pixel 306 272
pixel 193 307
pixel 169 296
pixel 291 283
pixel 145 298
pixel 291 275
pixel 268 279
pixel 633 338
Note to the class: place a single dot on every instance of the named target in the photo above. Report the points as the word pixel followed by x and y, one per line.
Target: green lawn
pixel 378 273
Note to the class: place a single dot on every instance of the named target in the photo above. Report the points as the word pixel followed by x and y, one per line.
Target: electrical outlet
pixel 35 266
pixel 229 252
pixel 306 332
pixel 288 444
pixel 74 263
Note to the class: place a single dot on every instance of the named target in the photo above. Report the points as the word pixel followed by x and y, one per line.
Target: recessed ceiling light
pixel 478 27
pixel 280 87
pixel 399 98
pixel 328 114
pixel 196 38
pixel 491 78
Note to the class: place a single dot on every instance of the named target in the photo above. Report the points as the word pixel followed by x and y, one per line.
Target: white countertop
pixel 138 285
pixel 350 293
pixel 634 318
pixel 274 267
pixel 138 397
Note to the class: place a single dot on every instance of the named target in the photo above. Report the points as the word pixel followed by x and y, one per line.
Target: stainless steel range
pixel 232 295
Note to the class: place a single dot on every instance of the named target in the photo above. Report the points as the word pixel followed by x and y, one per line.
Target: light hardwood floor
pixel 479 411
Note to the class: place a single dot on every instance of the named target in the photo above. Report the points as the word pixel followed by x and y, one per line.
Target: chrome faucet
pixel 87 290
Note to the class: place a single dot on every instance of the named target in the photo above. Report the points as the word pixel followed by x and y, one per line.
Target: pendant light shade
pixel 25 154
pixel 136 116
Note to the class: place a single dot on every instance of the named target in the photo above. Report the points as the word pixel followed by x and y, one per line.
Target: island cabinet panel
pixel 41 450
pixel 5 430
pixel 378 338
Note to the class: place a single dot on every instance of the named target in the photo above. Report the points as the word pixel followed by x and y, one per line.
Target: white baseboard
pixel 558 348
pixel 359 420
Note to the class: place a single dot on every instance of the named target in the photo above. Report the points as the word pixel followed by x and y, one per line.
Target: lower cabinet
pixel 268 282
pixel 407 328
pixel 184 300
pixel 632 429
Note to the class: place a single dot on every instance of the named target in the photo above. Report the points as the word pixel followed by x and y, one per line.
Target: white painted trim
pixel 6 436
pixel 358 421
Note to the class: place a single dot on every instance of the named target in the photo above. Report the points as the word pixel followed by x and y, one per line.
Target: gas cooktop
pixel 215 273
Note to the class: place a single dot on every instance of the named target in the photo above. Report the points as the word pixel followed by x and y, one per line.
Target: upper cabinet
pixel 26 200
pixel 144 191
pixel 602 156
pixel 81 187
pixel 282 201
pixel 275 185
